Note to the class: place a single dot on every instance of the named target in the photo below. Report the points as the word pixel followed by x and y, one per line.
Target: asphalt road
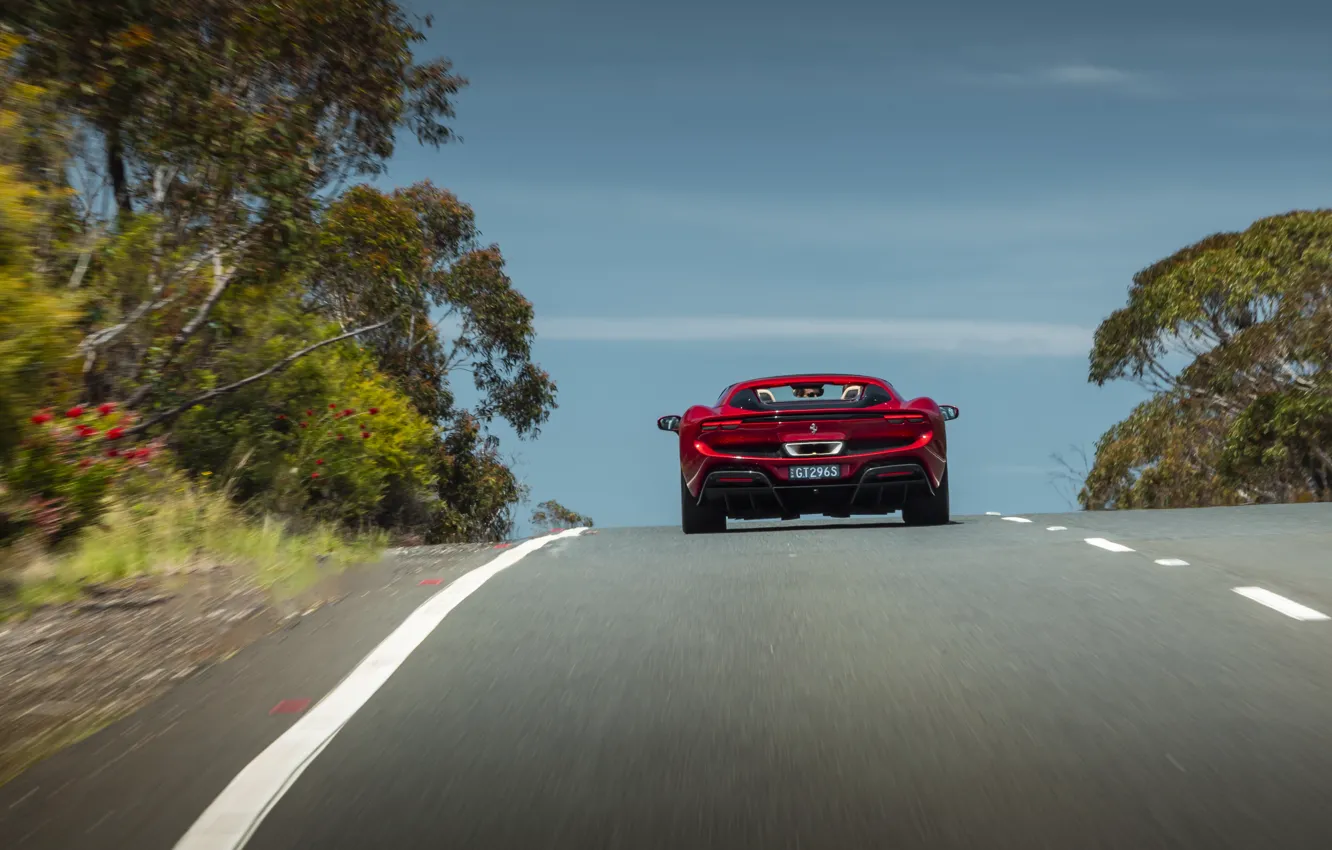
pixel 988 684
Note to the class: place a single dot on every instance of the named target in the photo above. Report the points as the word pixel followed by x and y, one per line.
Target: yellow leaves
pixel 36 324
pixel 133 38
pixel 10 44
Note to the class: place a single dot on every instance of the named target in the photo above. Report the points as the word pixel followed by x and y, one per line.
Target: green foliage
pixel 1277 433
pixel 1248 417
pixel 267 99
pixel 66 467
pixel 1164 455
pixel 476 490
pixel 413 255
pixel 279 442
pixel 552 513
pixel 37 328
pixel 201 304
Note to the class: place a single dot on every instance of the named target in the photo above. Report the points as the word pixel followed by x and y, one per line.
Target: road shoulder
pixel 142 780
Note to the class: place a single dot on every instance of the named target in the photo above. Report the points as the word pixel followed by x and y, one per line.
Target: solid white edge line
pixel 1172 562
pixel 1017 519
pixel 231 819
pixel 1107 545
pixel 1276 602
pixel 1056 528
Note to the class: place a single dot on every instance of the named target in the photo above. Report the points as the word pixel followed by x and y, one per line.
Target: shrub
pixel 61 474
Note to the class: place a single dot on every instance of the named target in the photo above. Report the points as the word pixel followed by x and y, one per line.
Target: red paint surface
pixel 431 580
pixel 290 706
pixel 503 545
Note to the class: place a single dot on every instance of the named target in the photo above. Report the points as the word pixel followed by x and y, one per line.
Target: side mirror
pixel 949 412
pixel 669 423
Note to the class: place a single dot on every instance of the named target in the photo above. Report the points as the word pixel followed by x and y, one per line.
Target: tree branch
pixel 221 280
pixel 85 258
pixel 94 341
pixel 258 376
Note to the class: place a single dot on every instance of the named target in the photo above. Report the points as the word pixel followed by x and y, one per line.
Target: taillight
pixel 905 419
pixel 724 424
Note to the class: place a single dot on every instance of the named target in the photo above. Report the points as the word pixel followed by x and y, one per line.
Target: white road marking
pixel 1017 519
pixel 233 817
pixel 1056 528
pixel 1291 609
pixel 1172 562
pixel 1108 545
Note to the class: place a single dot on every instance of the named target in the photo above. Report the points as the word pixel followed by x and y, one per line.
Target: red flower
pixel 113 452
pixel 374 410
pixel 309 413
pixel 348 412
pixel 115 433
pixel 314 474
pixel 332 407
pixel 106 408
pixel 282 416
pixel 340 437
pixel 86 432
pixel 305 424
pixel 74 412
pixel 365 435
pixel 319 461
pixel 41 418
pixel 85 463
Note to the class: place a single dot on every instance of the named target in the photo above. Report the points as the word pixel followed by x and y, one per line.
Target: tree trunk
pixel 115 168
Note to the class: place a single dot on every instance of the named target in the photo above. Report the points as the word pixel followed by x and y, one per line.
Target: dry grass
pixel 165 535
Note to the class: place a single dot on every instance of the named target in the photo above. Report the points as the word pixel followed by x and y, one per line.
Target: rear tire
pixel 700 518
pixel 928 508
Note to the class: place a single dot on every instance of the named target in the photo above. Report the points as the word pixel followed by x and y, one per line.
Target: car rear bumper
pixel 752 490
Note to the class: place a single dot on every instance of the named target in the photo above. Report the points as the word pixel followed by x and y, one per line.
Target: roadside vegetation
pixel 552 513
pixel 218 340
pixel 1233 338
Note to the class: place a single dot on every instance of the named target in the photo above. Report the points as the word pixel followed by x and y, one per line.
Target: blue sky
pixel 950 197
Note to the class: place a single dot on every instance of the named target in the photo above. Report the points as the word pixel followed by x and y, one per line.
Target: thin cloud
pixel 938 336
pixel 1086 75
pixel 1072 76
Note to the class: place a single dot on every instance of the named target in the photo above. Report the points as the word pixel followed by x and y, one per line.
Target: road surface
pixel 994 683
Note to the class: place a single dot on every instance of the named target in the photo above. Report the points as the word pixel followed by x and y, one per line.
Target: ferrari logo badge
pixel 814 428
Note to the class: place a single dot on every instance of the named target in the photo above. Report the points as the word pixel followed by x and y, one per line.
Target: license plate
pixel 815 473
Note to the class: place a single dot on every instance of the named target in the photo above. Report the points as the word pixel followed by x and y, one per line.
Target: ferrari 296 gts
pixel 794 445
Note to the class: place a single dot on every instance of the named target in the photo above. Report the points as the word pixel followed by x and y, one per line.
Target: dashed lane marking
pixel 1276 602
pixel 1107 545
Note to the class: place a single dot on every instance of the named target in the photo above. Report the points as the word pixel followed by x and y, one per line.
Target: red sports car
pixel 836 445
